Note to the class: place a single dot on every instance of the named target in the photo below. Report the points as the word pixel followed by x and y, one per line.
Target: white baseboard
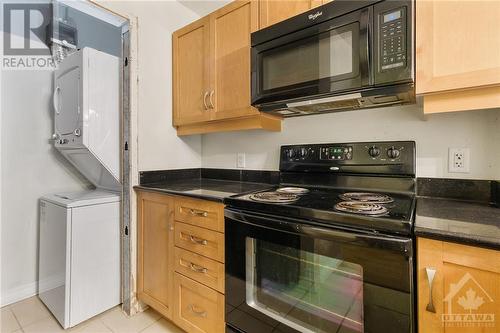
pixel 19 293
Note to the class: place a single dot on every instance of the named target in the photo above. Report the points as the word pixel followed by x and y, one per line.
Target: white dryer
pixel 79 258
pixel 87 115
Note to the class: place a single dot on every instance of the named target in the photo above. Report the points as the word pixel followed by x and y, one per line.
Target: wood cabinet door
pixel 457 45
pixel 274 11
pixel 155 245
pixel 465 288
pixel 231 27
pixel 198 309
pixel 191 72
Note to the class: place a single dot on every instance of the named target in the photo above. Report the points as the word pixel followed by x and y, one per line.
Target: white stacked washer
pixel 79 260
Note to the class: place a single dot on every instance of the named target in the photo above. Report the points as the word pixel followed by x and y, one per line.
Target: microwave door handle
pixel 365 46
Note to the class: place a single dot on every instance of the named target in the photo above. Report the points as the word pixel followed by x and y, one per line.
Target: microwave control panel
pixel 392 39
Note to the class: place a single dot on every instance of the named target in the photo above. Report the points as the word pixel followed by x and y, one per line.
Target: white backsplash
pixel 434 135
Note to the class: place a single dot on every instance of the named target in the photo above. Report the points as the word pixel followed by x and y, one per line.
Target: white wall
pixel 159 146
pixel 434 134
pixel 31 167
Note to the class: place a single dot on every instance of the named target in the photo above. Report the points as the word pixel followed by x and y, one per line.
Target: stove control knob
pixel 303 152
pixel 374 151
pixel 393 152
pixel 290 153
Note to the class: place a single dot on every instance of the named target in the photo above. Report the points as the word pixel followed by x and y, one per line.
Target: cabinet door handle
pixel 202 313
pixel 197 240
pixel 210 99
pixel 55 99
pixel 205 100
pixel 431 272
pixel 201 213
pixel 197 268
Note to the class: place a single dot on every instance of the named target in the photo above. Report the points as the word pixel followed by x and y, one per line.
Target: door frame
pixel 129 160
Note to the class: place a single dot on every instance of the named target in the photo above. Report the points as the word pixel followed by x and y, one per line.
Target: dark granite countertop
pixel 473 223
pixel 208 189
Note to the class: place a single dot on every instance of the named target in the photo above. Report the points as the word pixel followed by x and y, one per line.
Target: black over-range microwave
pixel 344 55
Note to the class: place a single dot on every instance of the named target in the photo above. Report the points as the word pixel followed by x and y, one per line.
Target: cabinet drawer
pixel 201 241
pixel 201 213
pixel 201 269
pixel 197 309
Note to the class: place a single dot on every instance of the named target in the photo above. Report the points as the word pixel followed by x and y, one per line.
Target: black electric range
pixel 318 206
pixel 328 250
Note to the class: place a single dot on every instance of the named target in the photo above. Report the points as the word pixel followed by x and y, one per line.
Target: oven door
pixel 322 59
pixel 286 276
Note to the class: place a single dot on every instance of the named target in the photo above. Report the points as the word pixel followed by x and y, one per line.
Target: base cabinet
pixel 197 309
pixel 181 260
pixel 155 256
pixel 458 288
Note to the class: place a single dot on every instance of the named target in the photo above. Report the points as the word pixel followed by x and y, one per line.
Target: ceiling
pixel 204 7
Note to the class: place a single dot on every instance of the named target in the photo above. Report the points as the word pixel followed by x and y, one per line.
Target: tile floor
pixel 31 316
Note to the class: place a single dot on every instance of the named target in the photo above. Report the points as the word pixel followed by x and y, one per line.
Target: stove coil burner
pixel 293 190
pixel 376 198
pixel 275 197
pixel 363 208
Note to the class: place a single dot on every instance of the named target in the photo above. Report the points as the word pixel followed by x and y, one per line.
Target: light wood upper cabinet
pixel 465 288
pixel 211 73
pixel 457 48
pixel 191 73
pixel 232 26
pixel 272 11
pixel 155 251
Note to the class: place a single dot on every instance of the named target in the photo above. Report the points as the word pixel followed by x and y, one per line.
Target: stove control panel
pixel 331 153
pixel 388 157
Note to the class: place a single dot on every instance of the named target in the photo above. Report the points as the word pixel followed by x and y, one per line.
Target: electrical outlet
pixel 240 160
pixel 459 160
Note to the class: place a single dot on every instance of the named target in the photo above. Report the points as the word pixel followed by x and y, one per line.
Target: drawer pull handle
pixel 431 272
pixel 197 312
pixel 197 268
pixel 198 213
pixel 197 240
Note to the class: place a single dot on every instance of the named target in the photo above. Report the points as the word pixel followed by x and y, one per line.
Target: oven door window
pixel 304 290
pixel 328 57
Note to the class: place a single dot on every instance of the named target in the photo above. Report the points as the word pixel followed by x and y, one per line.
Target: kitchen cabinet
pixel 198 309
pixel 211 73
pixel 155 239
pixel 232 26
pixel 458 54
pixel 191 75
pixel 458 287
pixel 181 260
pixel 272 11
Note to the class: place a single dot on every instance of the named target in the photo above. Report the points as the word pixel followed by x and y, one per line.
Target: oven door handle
pixel 345 235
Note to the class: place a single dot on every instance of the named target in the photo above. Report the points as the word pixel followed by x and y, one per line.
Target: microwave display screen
pixel 392 16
